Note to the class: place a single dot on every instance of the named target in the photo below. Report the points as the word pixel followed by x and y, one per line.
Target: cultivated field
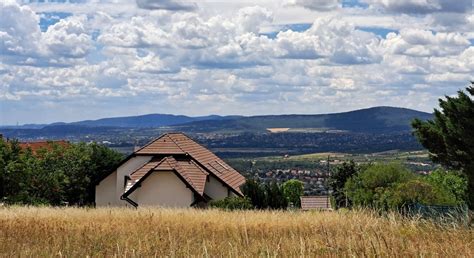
pixel 76 232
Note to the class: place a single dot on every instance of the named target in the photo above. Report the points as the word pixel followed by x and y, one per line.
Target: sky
pixel 87 59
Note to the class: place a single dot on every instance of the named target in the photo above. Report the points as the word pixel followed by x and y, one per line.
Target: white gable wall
pixel 109 190
pixel 165 189
pixel 215 189
pixel 105 191
pixel 126 169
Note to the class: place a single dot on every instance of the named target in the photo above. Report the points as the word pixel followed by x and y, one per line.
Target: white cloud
pixel 68 38
pixel 317 5
pixel 422 6
pixel 118 59
pixel 18 36
pixel 415 42
pixel 173 5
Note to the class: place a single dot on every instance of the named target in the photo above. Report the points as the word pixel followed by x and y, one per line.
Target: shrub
pixel 415 191
pixel 367 187
pixel 232 203
pixel 453 182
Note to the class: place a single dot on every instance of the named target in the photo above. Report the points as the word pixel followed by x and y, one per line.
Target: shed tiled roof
pixel 315 203
pixel 192 161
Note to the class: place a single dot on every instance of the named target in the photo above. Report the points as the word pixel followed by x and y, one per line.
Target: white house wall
pixel 215 189
pixel 163 189
pixel 126 169
pixel 105 191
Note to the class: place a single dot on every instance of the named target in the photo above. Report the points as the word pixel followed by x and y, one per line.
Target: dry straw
pixel 81 232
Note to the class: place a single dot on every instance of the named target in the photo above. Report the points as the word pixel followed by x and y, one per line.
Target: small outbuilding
pixel 170 171
pixel 315 203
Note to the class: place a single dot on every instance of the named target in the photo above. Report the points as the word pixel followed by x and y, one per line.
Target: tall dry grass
pixel 79 232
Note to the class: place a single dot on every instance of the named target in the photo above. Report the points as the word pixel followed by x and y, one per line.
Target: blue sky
pixel 75 60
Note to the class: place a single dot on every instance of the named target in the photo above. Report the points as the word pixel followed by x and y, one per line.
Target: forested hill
pixel 370 120
pixel 147 121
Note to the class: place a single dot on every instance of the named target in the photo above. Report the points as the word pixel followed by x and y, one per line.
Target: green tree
pixel 450 135
pixel 293 189
pixel 54 175
pixel 275 198
pixel 368 186
pixel 338 179
pixel 255 192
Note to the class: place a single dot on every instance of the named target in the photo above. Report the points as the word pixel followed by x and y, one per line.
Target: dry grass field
pixel 80 232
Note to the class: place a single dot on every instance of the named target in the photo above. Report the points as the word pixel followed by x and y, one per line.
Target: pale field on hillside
pixel 81 232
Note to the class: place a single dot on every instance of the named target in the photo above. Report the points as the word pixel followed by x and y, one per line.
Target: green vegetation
pixel 267 196
pixel 53 176
pixel 393 187
pixel 232 203
pixel 293 189
pixel 338 180
pixel 449 136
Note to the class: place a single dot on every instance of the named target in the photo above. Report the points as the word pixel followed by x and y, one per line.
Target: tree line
pixel 55 175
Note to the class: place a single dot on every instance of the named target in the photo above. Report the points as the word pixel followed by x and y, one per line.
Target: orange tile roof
pixel 37 145
pixel 192 161
pixel 315 203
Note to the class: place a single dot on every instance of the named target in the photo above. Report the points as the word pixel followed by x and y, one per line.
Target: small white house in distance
pixel 171 171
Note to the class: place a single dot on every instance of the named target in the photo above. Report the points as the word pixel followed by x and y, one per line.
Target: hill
pixel 370 120
pixel 147 121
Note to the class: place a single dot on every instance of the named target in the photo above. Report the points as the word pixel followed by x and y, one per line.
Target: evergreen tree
pixel 338 179
pixel 450 135
pixel 255 192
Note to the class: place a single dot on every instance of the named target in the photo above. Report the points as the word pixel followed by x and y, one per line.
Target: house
pixel 315 203
pixel 170 171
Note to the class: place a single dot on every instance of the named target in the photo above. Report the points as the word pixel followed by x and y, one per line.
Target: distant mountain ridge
pixel 148 121
pixel 369 120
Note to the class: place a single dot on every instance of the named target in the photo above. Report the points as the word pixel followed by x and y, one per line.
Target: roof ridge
pixel 152 141
pixel 185 175
pixel 158 163
pixel 176 142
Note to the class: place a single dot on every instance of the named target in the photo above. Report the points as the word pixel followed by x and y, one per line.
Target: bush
pixel 367 187
pixel 392 186
pixel 415 191
pixel 232 203
pixel 453 182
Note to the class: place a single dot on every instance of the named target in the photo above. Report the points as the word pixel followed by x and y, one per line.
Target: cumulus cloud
pixel 18 36
pixel 337 40
pixel 224 61
pixel 317 5
pixel 22 42
pixel 172 5
pixel 423 43
pixel 68 38
pixel 422 6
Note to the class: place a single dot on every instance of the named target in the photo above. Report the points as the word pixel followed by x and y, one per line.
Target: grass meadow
pixel 105 232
